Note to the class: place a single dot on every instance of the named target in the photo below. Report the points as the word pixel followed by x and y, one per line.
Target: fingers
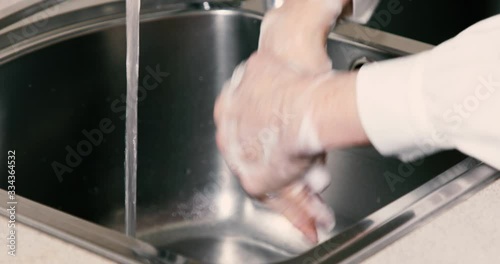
pixel 223 101
pixel 320 14
pixel 304 209
pixel 321 212
pixel 292 204
pixel 263 178
pixel 297 32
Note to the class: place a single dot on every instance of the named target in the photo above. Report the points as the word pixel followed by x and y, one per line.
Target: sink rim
pixel 69 25
pixel 415 208
pixel 354 244
pixel 63 26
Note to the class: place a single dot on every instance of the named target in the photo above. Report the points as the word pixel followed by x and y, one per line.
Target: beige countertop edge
pixel 33 246
pixel 467 233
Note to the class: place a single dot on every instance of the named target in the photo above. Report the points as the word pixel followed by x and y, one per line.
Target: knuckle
pixel 250 186
pixel 250 151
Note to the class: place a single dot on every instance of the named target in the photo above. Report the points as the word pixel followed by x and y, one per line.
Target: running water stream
pixel 132 23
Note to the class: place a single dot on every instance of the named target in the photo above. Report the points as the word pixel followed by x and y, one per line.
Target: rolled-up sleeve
pixel 448 97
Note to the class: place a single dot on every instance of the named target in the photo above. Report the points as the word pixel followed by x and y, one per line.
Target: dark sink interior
pixel 444 19
pixel 54 96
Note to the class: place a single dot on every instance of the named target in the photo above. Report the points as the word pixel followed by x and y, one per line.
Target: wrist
pixel 337 118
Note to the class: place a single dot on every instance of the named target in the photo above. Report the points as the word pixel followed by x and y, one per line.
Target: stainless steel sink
pixel 65 86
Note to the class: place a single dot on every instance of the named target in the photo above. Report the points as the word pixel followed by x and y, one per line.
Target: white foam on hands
pixel 317 178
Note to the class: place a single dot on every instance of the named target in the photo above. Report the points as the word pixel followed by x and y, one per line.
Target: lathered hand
pixel 269 114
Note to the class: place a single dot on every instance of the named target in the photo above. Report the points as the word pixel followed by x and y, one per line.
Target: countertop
pixel 35 247
pixel 467 233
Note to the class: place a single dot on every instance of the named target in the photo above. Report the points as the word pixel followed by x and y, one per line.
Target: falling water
pixel 133 9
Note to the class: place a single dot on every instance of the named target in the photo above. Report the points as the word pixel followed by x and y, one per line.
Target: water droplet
pixel 200 78
pixel 188 171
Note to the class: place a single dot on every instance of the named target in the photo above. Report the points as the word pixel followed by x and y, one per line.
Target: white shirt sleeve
pixel 362 10
pixel 448 97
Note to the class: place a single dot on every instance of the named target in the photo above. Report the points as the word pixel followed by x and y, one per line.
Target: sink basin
pixel 63 111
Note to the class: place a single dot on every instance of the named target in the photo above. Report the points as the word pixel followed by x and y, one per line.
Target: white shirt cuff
pixel 392 109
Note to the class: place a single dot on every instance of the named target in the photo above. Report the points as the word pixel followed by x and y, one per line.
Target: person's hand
pixel 278 115
pixel 274 124
pixel 296 32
